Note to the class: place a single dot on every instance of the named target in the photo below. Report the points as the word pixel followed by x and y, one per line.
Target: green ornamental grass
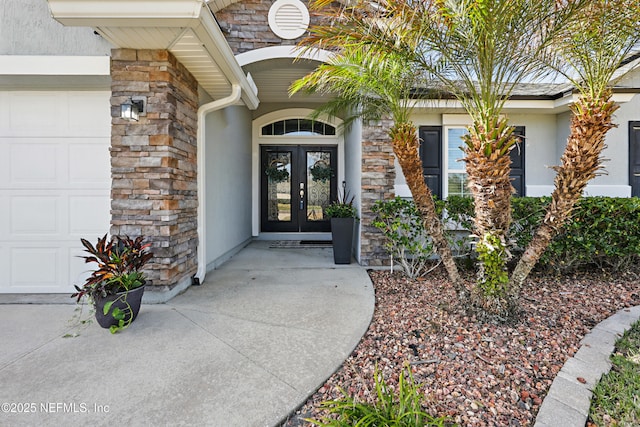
pixel 402 408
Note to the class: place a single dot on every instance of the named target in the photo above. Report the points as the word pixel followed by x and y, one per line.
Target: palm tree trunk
pixel 405 142
pixel 488 166
pixel 592 119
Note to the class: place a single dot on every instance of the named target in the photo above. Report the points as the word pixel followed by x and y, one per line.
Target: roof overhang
pixel 187 28
pixel 533 106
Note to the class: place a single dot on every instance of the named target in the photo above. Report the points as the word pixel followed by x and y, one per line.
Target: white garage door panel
pixel 88 214
pixel 83 110
pixel 36 113
pixel 86 163
pixel 54 186
pixel 36 269
pixel 33 163
pixel 35 214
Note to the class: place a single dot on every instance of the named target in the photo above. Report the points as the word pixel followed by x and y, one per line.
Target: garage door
pixel 54 186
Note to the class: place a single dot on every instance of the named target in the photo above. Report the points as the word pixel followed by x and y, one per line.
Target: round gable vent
pixel 288 19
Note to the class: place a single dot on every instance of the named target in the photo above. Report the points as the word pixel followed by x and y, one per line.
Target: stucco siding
pixel 228 182
pixel 617 151
pixel 27 28
pixel 540 148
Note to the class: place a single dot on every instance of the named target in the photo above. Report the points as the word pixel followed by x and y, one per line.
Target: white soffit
pixel 186 28
pixel 140 37
pixel 191 53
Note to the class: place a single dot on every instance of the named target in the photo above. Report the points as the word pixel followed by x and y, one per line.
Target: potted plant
pixel 116 286
pixel 343 215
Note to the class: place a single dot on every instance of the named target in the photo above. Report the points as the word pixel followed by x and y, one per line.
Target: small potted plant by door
pixel 343 217
pixel 116 286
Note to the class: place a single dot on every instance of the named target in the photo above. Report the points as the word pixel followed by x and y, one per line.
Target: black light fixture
pixel 132 109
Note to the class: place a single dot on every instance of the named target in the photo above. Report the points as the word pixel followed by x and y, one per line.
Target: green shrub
pixel 402 408
pixel 603 232
pixel 406 239
pixel 459 210
pixel 526 214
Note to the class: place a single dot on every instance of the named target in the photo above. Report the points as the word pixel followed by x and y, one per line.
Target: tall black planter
pixel 342 235
pixel 129 302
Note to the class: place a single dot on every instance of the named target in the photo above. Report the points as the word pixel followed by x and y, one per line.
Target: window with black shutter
pixel 451 178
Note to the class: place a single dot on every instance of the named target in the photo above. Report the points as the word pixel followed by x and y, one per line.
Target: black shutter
pixel 431 156
pixel 517 162
pixel 634 158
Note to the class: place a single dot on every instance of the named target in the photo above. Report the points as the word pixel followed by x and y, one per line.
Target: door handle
pixel 302 196
pixel 636 174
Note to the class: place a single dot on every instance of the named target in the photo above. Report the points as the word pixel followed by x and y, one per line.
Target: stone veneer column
pixel 153 161
pixel 378 176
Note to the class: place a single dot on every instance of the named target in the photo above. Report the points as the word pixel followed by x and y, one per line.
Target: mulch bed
pixel 478 374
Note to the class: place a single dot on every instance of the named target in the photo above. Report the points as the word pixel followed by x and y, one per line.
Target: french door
pixel 297 183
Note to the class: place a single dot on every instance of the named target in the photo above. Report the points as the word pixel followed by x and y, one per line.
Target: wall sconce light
pixel 132 109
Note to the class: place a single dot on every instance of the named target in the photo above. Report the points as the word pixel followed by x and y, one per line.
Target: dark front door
pixel 634 158
pixel 297 183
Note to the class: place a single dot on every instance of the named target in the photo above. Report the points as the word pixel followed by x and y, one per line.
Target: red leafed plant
pixel 119 260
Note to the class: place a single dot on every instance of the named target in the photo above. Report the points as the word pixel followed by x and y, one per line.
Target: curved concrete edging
pixel 569 399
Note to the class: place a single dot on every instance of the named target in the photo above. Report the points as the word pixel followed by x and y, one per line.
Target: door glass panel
pixel 278 173
pixel 319 174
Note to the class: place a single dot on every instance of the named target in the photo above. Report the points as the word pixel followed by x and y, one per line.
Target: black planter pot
pixel 128 302
pixel 342 235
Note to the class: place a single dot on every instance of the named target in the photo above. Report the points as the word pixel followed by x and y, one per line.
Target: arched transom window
pixel 295 127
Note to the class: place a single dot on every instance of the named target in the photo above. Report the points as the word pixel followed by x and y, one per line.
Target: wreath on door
pixel 277 172
pixel 321 171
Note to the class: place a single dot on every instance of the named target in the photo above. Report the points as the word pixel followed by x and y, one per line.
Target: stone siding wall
pixel 246 25
pixel 153 161
pixel 378 176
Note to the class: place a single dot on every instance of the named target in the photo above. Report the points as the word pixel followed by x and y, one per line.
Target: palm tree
pixel 371 86
pixel 479 51
pixel 489 47
pixel 593 49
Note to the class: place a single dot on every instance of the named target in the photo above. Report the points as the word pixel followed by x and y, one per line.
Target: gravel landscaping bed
pixel 477 374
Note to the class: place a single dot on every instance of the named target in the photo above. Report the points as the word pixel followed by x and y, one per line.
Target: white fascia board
pixel 618 98
pixel 517 104
pixel 621 98
pixel 552 106
pixel 214 41
pixel 114 13
pixel 624 70
pixel 50 65
pixel 293 52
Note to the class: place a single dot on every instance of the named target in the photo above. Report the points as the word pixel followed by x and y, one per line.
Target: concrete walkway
pixel 244 349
